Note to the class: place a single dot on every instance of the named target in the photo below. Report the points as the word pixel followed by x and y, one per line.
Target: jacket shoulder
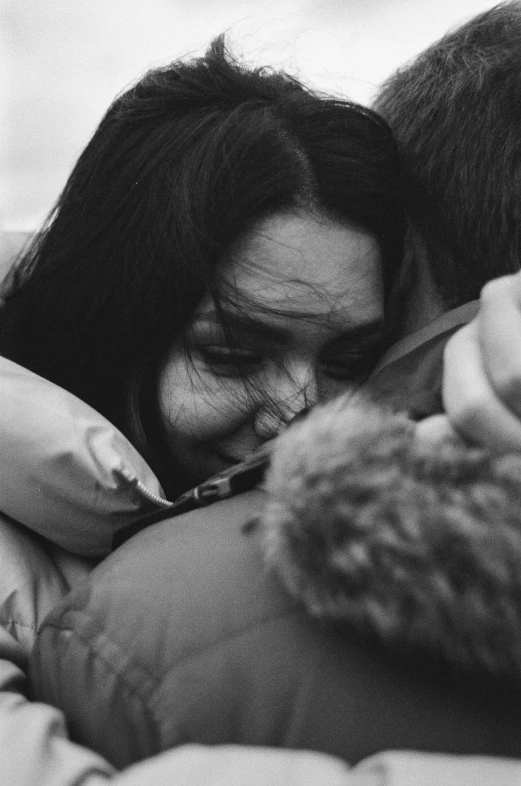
pixel 34 577
pixel 199 579
pixel 183 635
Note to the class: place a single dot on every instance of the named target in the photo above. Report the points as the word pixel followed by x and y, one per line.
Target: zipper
pixel 144 490
pixel 234 480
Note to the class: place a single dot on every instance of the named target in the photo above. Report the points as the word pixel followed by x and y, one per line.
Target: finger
pixel 468 398
pixel 433 429
pixel 499 326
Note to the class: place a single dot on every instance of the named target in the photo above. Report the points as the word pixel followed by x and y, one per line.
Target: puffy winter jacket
pixel 68 481
pixel 184 636
pixel 62 467
pixel 360 614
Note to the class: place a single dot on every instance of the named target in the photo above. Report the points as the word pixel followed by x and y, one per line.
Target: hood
pixel 65 471
pixel 418 544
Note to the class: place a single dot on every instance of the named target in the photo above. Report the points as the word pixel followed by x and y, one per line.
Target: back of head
pixel 456 112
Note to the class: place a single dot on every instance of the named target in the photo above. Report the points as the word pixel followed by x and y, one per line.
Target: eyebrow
pixel 257 328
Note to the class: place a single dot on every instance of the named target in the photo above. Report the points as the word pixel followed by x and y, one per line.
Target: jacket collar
pixel 65 471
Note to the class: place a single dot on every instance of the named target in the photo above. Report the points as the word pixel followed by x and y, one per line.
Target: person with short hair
pixel 454 110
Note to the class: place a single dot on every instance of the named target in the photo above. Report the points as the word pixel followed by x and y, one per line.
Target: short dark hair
pixel 456 112
pixel 181 166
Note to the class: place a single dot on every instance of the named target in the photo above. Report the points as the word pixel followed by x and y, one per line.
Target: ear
pixel 416 290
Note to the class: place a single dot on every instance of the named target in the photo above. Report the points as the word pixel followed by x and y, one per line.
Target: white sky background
pixel 63 61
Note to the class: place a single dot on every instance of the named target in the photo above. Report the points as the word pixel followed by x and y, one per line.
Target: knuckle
pixel 507 385
pixel 467 412
pixel 495 289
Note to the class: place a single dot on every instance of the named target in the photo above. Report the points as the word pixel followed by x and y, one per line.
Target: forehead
pixel 308 266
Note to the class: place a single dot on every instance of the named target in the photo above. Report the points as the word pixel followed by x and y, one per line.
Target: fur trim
pixel 418 543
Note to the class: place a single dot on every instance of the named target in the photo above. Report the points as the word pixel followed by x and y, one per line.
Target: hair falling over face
pixel 184 165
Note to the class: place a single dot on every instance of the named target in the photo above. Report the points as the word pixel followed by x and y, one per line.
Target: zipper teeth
pixel 165 503
pixel 132 478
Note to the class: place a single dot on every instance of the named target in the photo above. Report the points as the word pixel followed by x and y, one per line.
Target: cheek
pixel 200 408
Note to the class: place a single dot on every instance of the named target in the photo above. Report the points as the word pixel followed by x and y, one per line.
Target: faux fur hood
pixel 418 543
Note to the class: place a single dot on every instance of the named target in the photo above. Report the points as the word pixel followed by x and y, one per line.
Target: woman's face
pixel 308 309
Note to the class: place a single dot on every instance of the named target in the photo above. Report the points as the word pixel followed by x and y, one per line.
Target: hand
pixel 482 370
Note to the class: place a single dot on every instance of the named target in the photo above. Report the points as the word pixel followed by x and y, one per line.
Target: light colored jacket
pixel 68 481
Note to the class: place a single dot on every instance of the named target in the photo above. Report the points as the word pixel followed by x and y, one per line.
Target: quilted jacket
pixel 68 482
pixel 362 605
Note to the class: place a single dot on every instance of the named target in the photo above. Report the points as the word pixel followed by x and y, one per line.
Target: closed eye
pixel 230 361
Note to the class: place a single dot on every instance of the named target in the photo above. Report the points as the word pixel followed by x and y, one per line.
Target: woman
pixel 186 174
pixel 219 260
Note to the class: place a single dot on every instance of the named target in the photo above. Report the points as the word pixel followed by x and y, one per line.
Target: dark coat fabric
pixel 409 376
pixel 183 635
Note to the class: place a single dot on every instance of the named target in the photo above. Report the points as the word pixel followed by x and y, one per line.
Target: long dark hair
pixel 180 167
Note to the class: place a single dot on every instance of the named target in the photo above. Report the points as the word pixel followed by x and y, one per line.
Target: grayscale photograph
pixel 260 393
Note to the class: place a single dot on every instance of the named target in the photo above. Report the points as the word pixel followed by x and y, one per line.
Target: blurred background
pixel 63 61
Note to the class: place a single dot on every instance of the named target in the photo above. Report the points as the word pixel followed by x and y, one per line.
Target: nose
pixel 288 395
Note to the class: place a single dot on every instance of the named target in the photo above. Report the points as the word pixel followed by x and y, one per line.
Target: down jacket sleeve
pixel 35 751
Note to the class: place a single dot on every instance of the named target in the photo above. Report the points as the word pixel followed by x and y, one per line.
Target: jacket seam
pixel 146 697
pixel 19 624
pixel 120 676
pixel 157 680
